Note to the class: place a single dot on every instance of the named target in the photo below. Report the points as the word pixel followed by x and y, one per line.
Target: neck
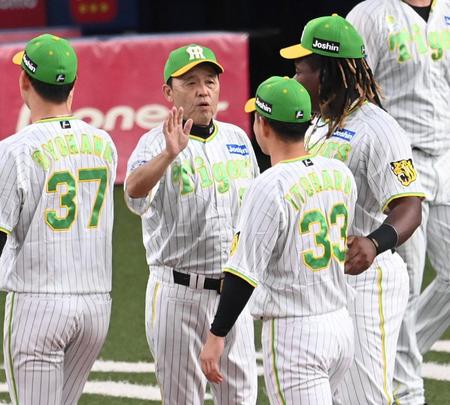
pixel 285 151
pixel 419 3
pixel 44 113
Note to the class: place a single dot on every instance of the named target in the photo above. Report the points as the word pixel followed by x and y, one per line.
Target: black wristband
pixel 384 238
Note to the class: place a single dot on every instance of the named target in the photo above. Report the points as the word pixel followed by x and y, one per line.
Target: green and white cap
pixel 330 36
pixel 49 59
pixel 183 59
pixel 281 99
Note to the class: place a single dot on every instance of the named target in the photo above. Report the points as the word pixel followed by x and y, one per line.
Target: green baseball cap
pixel 330 36
pixel 49 59
pixel 183 59
pixel 281 99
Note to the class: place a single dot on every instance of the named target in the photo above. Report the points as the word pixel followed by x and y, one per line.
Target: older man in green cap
pixel 186 178
pixel 56 217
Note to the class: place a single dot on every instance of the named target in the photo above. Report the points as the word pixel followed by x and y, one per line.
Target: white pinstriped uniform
pixel 56 204
pixel 188 223
pixel 378 154
pixel 410 59
pixel 291 246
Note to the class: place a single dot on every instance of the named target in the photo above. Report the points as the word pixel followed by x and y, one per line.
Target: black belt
pixel 208 283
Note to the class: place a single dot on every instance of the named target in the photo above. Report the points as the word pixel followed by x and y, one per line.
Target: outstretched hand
pixel 360 255
pixel 175 134
pixel 210 357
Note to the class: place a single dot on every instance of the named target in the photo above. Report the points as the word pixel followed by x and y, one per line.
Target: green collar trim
pixel 204 140
pixel 63 118
pixel 297 159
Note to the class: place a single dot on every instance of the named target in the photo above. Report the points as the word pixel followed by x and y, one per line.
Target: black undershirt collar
pixel 202 131
pixel 424 12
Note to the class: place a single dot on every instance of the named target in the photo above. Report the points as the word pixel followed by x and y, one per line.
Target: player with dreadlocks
pixel 352 126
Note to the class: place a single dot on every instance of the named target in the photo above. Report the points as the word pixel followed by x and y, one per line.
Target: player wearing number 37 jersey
pixel 56 217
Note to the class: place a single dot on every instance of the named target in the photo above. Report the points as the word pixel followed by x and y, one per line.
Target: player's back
pixel 60 182
pixel 310 201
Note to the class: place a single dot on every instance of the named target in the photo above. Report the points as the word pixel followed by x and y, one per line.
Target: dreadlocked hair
pixel 345 84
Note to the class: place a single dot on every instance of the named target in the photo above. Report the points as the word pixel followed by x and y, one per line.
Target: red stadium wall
pixel 120 80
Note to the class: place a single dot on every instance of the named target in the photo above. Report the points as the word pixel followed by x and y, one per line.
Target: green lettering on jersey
pixel 86 144
pixel 202 170
pixel 337 180
pixel 233 169
pixel 343 151
pixel 72 144
pixel 220 177
pixel 49 147
pixel 306 185
pixel 108 153
pixel 61 146
pixel 98 145
pixel 41 159
pixel 437 51
pixel 327 181
pixel 315 182
pixel 187 178
pixel 294 197
pixel 348 185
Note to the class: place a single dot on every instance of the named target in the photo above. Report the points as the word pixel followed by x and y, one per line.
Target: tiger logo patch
pixel 234 244
pixel 405 171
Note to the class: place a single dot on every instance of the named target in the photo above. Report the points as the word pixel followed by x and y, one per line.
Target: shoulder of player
pixel 17 142
pixel 228 128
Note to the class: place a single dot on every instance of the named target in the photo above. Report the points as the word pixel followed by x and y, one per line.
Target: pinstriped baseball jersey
pixel 292 235
pixel 56 203
pixel 196 201
pixel 410 60
pixel 378 153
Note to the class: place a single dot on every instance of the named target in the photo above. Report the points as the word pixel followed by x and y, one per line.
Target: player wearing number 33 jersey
pixel 290 244
pixel 56 208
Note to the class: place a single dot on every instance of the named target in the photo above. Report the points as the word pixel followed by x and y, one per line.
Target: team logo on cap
pixel 60 78
pixel 263 105
pixel 195 52
pixel 324 45
pixel 405 171
pixel 32 67
pixel 299 115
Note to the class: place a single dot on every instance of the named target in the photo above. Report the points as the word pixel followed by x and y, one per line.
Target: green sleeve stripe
pixel 394 197
pixel 4 230
pixel 253 283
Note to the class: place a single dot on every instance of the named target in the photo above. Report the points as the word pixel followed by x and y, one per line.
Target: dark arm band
pixel 235 294
pixel 3 237
pixel 384 238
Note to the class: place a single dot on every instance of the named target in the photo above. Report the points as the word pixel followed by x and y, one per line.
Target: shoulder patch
pixel 235 149
pixel 405 171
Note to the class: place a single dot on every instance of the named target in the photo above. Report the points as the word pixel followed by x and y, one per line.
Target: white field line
pixel 152 393
pixel 441 346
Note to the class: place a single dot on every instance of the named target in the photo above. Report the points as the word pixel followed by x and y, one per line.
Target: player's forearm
pixel 405 215
pixel 234 296
pixel 142 180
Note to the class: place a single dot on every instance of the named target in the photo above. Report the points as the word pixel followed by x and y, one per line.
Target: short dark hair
pixel 55 93
pixel 288 131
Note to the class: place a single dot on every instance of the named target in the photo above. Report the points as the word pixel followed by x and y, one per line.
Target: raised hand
pixel 175 134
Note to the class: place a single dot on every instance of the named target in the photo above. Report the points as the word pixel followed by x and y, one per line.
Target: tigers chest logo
pixel 405 171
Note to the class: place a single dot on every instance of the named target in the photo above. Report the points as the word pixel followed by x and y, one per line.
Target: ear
pixel 167 92
pixel 24 81
pixel 265 127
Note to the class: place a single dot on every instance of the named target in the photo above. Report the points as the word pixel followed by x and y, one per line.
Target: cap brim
pixel 17 58
pixel 250 105
pixel 294 52
pixel 188 67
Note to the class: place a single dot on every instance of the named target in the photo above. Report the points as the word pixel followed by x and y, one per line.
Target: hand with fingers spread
pixel 175 134
pixel 210 357
pixel 360 255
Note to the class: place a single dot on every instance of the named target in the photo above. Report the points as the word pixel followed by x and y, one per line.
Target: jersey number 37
pixel 68 200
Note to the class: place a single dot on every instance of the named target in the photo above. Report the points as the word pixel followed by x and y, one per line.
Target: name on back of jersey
pixel 62 146
pixel 313 183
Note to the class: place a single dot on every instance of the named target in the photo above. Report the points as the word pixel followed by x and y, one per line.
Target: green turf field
pixel 126 340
